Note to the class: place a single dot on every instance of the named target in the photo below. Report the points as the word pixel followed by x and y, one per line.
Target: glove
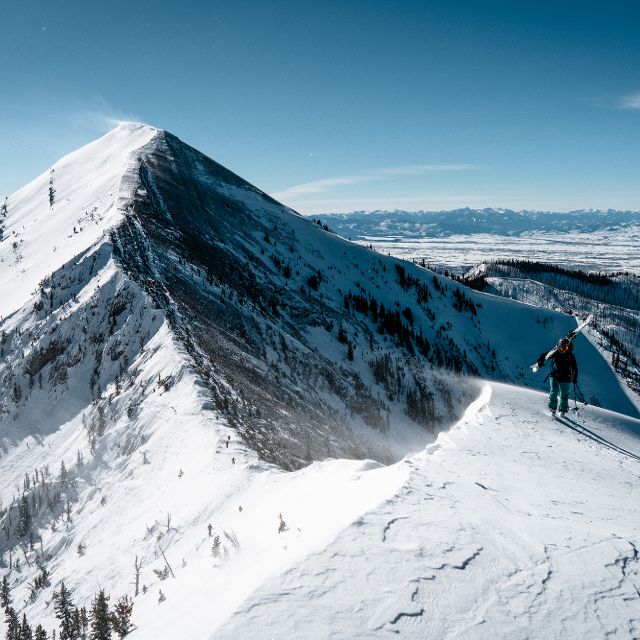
pixel 574 379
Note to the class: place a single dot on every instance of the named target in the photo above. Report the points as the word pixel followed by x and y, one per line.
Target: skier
pixel 564 371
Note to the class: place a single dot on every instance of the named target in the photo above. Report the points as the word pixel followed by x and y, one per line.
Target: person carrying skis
pixel 564 371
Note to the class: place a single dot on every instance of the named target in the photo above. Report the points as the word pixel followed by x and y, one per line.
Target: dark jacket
pixel 564 367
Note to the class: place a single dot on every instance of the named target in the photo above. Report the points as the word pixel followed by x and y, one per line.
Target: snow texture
pixel 214 430
pixel 511 525
pixel 457 240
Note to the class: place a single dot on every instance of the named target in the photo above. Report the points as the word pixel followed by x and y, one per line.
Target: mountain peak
pixel 66 210
pixel 129 125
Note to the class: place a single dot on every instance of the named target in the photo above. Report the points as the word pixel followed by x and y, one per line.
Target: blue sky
pixel 337 106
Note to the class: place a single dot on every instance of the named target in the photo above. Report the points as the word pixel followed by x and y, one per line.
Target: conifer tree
pixel 40 633
pixel 62 476
pixel 52 191
pixel 24 632
pixel 13 625
pixel 84 623
pixel 5 593
pixel 99 615
pixel 76 624
pixel 24 517
pixel 121 617
pixel 215 547
pixel 64 612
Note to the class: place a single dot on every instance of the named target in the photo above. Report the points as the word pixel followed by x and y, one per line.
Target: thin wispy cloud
pixel 322 186
pixel 327 184
pixel 631 102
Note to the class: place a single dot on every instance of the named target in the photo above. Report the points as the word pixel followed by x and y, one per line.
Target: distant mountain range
pixel 505 222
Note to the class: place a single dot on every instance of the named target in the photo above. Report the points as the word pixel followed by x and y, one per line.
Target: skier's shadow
pixel 592 435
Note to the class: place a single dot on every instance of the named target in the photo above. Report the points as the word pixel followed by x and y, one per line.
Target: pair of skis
pixel 571 335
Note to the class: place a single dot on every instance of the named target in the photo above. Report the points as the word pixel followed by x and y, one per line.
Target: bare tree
pixel 137 563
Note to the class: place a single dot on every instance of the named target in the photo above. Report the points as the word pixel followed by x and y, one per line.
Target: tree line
pixel 74 623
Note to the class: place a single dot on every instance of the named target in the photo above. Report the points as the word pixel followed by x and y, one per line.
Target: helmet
pixel 563 344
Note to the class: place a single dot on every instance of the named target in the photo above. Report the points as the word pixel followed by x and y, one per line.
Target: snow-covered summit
pixel 64 211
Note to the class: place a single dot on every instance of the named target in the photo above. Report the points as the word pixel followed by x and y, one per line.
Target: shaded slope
pixel 256 293
pixel 284 318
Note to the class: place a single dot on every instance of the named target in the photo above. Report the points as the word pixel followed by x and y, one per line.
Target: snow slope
pixel 88 183
pixel 512 525
pixel 169 358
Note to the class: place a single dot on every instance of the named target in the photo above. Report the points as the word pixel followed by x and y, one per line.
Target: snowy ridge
pixel 510 525
pixel 200 340
pixel 40 237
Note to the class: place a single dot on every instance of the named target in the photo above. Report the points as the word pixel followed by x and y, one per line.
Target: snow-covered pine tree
pixel 24 517
pixel 63 608
pixel 215 547
pixel 121 616
pixel 52 191
pixel 84 623
pixel 5 593
pixel 40 633
pixel 24 633
pixel 99 617
pixel 13 624
pixel 77 624
pixel 62 475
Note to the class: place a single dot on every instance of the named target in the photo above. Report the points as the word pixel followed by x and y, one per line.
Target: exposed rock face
pixel 254 291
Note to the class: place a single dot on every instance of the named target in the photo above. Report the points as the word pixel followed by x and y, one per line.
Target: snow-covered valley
pixel 458 240
pixel 253 427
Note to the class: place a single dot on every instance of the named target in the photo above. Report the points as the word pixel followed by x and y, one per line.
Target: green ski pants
pixel 563 388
